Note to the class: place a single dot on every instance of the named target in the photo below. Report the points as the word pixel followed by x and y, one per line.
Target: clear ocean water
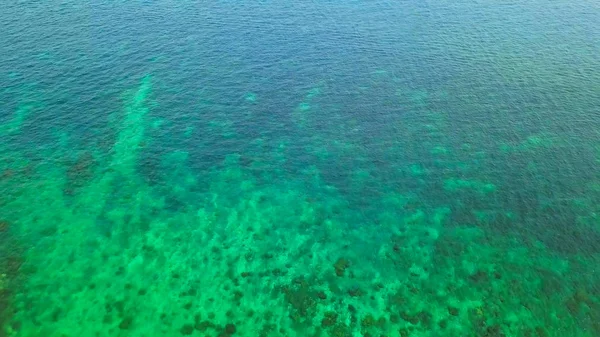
pixel 300 168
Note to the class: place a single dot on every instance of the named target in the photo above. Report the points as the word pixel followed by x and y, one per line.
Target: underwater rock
pixel 397 299
pixel 237 296
pixel 425 317
pixel 572 306
pixel 340 266
pixel 330 319
pixel 6 174
pixel 3 226
pixel 301 298
pixel 321 295
pixel 579 299
pixel 412 319
pixel 187 329
pixel 541 332
pixel 126 323
pixel 340 330
pixel 582 296
pixel 81 170
pixel 479 277
pixel 203 326
pixel 16 325
pixel 368 321
pixel 355 292
pixel 493 331
pixel 453 311
pixel 230 329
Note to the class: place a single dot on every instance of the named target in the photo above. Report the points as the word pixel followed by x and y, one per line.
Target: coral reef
pixel 143 238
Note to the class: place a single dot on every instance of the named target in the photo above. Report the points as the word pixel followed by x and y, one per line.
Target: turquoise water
pixel 300 168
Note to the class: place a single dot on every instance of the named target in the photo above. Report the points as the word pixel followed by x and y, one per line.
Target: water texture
pixel 300 168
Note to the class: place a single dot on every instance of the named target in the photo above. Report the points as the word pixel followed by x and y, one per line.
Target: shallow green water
pixel 299 168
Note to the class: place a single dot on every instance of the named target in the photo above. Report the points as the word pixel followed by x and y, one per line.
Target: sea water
pixel 300 168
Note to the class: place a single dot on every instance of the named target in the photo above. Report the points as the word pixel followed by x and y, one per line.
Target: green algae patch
pixel 17 120
pixel 250 97
pixel 416 170
pixel 304 112
pixel 534 143
pixel 455 185
pixel 128 142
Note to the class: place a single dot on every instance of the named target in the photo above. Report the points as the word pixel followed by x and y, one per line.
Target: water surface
pixel 299 168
